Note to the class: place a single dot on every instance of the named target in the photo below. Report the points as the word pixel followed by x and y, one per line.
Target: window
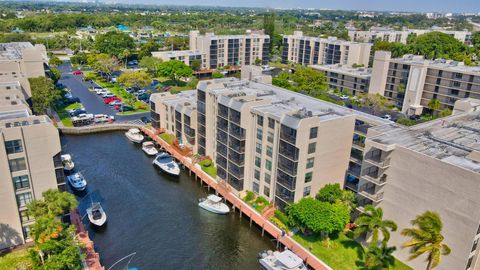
pixel 26 232
pixel 306 191
pixel 17 164
pixel 24 199
pixel 268 165
pixel 256 187
pixel 24 216
pixel 260 120
pixel 310 163
pixel 267 178
pixel 311 147
pixel 258 148
pixel 270 137
pixel 21 182
pixel 271 123
pixel 258 162
pixel 269 151
pixel 14 146
pixel 313 132
pixel 266 191
pixel 308 177
pixel 259 134
pixel 257 174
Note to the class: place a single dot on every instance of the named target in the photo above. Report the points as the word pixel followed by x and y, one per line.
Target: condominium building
pixel 300 49
pixel 412 81
pixel 20 61
pixel 433 166
pixel 350 80
pixel 401 36
pixel 231 50
pixel 177 114
pixel 29 165
pixel 186 57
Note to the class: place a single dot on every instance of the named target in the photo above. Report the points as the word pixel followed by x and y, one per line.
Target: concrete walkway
pixel 92 259
pixel 224 190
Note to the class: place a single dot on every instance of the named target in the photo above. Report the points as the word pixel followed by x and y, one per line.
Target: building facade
pixel 231 50
pixel 186 57
pixel 401 36
pixel 300 49
pixel 352 81
pixel 411 82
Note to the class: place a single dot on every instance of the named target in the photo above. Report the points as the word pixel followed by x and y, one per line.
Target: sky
pixel 380 5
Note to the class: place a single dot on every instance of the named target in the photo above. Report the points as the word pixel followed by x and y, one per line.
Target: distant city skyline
pixel 371 5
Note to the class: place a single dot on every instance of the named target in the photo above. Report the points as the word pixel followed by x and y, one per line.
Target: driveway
pixel 90 101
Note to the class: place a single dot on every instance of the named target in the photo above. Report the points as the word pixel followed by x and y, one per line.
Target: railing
pixel 378 160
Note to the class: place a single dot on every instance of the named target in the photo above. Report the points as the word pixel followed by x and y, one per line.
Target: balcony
pixel 354 170
pixel 375 178
pixel 378 160
pixel 370 193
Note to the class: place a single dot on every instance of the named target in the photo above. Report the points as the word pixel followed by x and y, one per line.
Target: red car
pixel 78 72
pixel 108 100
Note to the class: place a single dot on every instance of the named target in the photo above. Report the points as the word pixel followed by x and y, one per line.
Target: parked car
pixel 115 103
pixel 415 117
pixel 108 100
pixel 132 89
pixel 113 79
pixel 108 95
pixel 77 112
pixel 67 94
pixel 101 118
pixel 77 72
pixel 140 92
pixel 344 97
pixel 154 83
pixel 145 120
pixel 71 100
pixel 125 108
pixel 387 116
pixel 144 96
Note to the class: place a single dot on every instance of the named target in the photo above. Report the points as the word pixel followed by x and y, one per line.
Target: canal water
pixel 155 215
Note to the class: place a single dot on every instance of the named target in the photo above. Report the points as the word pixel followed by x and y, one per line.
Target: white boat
pixel 67 162
pixel 134 135
pixel 214 204
pixel 286 260
pixel 77 181
pixel 166 163
pixel 96 214
pixel 149 148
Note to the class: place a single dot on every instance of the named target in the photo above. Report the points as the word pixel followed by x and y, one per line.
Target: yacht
pixel 77 181
pixel 96 214
pixel 67 162
pixel 134 135
pixel 166 163
pixel 286 260
pixel 214 204
pixel 149 148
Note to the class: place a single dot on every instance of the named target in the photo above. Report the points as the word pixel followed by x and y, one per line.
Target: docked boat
pixel 166 163
pixel 67 162
pixel 134 135
pixel 286 260
pixel 214 204
pixel 96 214
pixel 149 148
pixel 77 181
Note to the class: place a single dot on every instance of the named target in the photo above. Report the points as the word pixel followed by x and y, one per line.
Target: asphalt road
pixel 90 101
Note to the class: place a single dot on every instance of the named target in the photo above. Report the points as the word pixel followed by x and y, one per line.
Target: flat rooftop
pixel 13 50
pixel 444 64
pixel 330 40
pixel 454 140
pixel 362 72
pixel 177 53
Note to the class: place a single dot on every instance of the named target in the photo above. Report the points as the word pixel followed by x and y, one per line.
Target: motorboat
pixel 134 135
pixel 67 162
pixel 77 181
pixel 96 214
pixel 149 148
pixel 286 260
pixel 166 163
pixel 214 204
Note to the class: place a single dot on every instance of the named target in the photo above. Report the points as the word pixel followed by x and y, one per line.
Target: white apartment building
pixel 401 36
pixel 300 49
pixel 231 50
pixel 346 79
pixel 186 57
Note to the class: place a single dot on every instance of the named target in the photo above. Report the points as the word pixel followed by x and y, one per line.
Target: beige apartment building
pixel 412 81
pixel 231 50
pixel 346 79
pixel 433 166
pixel 401 36
pixel 300 49
pixel 186 57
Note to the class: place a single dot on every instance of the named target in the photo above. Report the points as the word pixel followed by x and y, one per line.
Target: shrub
pixel 262 200
pixel 206 163
pixel 406 122
pixel 140 105
pixel 250 196
pixel 281 216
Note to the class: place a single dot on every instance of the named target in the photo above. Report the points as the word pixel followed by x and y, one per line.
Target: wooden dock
pixel 224 190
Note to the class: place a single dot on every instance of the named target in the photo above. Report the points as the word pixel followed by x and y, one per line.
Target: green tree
pixel 379 258
pixel 196 64
pixel 217 75
pixel 106 63
pixel 135 78
pixel 371 221
pixel 114 43
pixel 175 69
pixel 147 49
pixel 258 61
pixel 376 102
pixel 434 104
pixel 283 80
pixel 426 238
pixel 124 56
pixel 317 216
pixel 54 61
pixel 55 75
pixel 475 39
pixel 332 193
pixel 151 64
pixel 269 27
pixel 79 59
pixel 310 81
pixel 44 93
pixel 435 45
pixel 445 112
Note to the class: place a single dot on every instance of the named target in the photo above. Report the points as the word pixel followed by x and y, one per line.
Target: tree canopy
pixel 135 78
pixel 44 94
pixel 309 81
pixel 332 193
pixel 114 43
pixel 151 64
pixel 175 69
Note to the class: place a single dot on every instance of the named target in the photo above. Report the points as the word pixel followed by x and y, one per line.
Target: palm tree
pixel 426 238
pixel 379 258
pixel 372 222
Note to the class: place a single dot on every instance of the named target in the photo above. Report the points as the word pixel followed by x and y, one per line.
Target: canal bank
pixel 155 215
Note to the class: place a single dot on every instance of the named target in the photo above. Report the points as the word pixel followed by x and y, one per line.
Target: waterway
pixel 155 215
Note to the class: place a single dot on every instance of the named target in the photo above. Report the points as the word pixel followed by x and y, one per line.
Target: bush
pixel 139 105
pixel 262 200
pixel 281 216
pixel 249 197
pixel 206 163
pixel 406 122
pixel 174 91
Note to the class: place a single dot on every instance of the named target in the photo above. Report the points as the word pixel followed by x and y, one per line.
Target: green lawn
pixel 210 169
pixel 13 260
pixel 169 138
pixel 257 202
pixel 63 114
pixel 340 252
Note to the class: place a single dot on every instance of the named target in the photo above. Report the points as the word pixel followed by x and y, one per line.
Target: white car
pixel 101 118
pixel 115 103
pixel 101 91
pixel 387 117
pixel 344 97
pixel 108 95
pixel 140 92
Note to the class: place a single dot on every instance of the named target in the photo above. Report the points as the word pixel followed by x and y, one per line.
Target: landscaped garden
pixel 257 202
pixel 167 137
pixel 208 167
pixel 18 259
